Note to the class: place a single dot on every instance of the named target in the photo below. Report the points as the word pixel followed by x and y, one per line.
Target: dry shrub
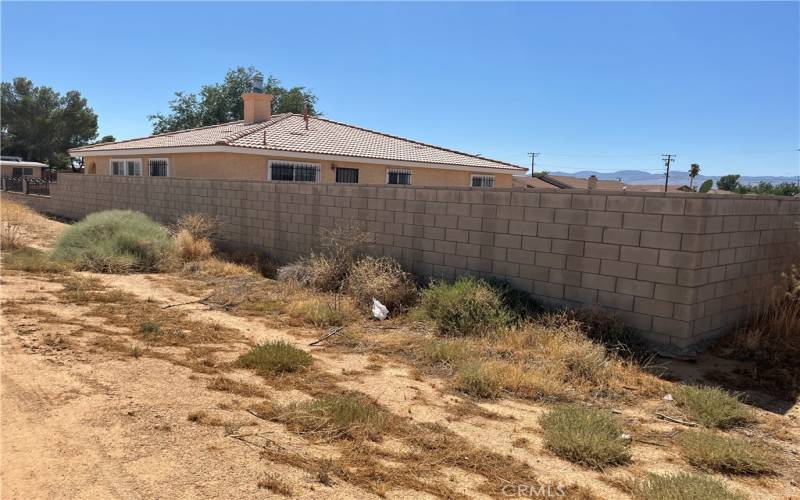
pixel 726 454
pixel 712 407
pixel 769 339
pixel 381 278
pixel 275 357
pixel 683 486
pixel 15 217
pixel 198 225
pixel 190 248
pixel 323 313
pixel 585 436
pixel 275 485
pixel 225 384
pixel 217 268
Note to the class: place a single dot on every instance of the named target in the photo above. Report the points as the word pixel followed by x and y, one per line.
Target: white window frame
pixel 158 159
pixel 408 171
pixel 124 161
pixel 474 176
pixel 317 166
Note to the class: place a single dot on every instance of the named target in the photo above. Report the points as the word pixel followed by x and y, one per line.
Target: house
pixel 15 167
pixel 293 147
pixel 546 181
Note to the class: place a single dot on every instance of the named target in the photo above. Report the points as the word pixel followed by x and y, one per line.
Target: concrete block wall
pixel 680 268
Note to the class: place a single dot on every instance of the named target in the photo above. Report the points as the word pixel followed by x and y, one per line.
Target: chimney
pixel 257 105
pixel 592 182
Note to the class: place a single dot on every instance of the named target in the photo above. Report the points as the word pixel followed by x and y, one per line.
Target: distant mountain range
pixel 675 177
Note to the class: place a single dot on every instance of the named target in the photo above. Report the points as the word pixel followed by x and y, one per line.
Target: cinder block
pixel 508 240
pixel 605 219
pixel 654 239
pixel 533 272
pixel 615 300
pixel 617 268
pixel 634 287
pixel 583 264
pixel 625 203
pixel 553 230
pixel 582 295
pixel 671 206
pixel 497 197
pixel 546 289
pixel 686 260
pixel 589 202
pixel 555 200
pixel 470 223
pixel 639 255
pixel 586 233
pixel 602 251
pixel 672 327
pixel 657 274
pixel 537 244
pixel 457 235
pixel 520 256
pixel 568 247
pixel 539 214
pixel 653 307
pixel 525 199
pixel 545 259
pixel 683 224
pixel 572 278
pixel 671 293
pixel 571 216
pixel 494 253
pixel 621 236
pixel 489 211
pixel 481 238
pixel 642 221
pixel 599 282
pixel 522 227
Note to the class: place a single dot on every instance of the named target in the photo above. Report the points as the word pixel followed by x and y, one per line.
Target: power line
pixel 533 161
pixel 668 159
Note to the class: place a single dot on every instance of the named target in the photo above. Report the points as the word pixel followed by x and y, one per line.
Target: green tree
pixel 729 182
pixel 40 124
pixel 694 169
pixel 107 138
pixel 706 186
pixel 222 102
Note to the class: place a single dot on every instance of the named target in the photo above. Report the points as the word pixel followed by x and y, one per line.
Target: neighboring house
pixel 544 181
pixel 293 147
pixel 19 168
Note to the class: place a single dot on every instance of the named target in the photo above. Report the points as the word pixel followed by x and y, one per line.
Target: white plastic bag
pixel 379 311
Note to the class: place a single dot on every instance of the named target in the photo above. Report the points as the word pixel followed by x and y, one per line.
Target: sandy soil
pixel 81 420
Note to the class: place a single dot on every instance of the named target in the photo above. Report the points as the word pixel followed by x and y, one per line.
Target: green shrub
pixel 712 407
pixel 448 352
pixel 115 241
pixel 726 454
pixel 683 486
pixel 322 313
pixel 348 415
pixel 585 436
pixel 381 278
pixel 275 357
pixel 466 307
pixel 32 260
pixel 478 380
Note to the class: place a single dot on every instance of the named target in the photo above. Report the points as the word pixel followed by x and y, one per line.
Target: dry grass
pixel 381 278
pixel 272 483
pixel 275 357
pixel 200 226
pixel 585 436
pixel 322 313
pixel 190 248
pixel 225 384
pixel 16 218
pixel 683 486
pixel 32 260
pixel 214 267
pixel 719 453
pixel 712 407
pixel 466 307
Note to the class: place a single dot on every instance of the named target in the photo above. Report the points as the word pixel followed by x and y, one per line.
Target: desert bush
pixel 275 357
pixel 477 379
pixel 381 278
pixel 214 267
pixel 191 248
pixel 584 435
pixel 32 260
pixel 198 225
pixel 683 486
pixel 451 353
pixel 712 407
pixel 466 307
pixel 14 218
pixel 298 272
pixel 115 241
pixel 322 313
pixel 726 454
pixel 347 415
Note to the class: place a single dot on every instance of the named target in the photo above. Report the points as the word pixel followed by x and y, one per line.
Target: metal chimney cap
pixel 258 84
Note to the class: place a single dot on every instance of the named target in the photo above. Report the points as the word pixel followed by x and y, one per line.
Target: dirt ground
pixel 82 417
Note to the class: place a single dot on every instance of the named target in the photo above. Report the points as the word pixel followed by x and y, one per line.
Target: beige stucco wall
pixel 254 167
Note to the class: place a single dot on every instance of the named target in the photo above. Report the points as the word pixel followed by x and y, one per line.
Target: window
pixel 126 167
pixel 349 175
pixel 395 176
pixel 293 171
pixel 20 172
pixel 159 167
pixel 486 181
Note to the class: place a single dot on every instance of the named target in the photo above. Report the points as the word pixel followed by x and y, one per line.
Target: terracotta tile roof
pixel 287 132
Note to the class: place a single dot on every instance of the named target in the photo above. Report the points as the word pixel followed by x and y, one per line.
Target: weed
pixel 196 416
pixel 191 248
pixel 584 435
pixel 322 313
pixel 216 268
pixel 225 384
pixel 477 380
pixel 275 357
pixel 115 241
pixel 712 407
pixel 136 351
pixel 450 353
pixel 683 486
pixel 716 452
pixel 466 307
pixel 272 483
pixel 381 278
pixel 32 260
pixel 198 225
pixel 150 328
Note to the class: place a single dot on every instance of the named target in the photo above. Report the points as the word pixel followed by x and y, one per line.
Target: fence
pixel 680 268
pixel 27 185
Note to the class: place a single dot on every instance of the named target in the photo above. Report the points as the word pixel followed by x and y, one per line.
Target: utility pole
pixel 533 161
pixel 667 160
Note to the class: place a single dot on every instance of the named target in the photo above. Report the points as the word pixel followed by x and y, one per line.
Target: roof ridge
pixel 164 134
pixel 412 141
pixel 234 136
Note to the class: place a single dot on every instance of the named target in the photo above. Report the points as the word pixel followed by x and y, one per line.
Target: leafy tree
pixel 107 138
pixel 222 102
pixel 40 124
pixel 706 186
pixel 694 169
pixel 729 182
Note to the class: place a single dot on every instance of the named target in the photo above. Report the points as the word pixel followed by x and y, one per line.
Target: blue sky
pixel 601 86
